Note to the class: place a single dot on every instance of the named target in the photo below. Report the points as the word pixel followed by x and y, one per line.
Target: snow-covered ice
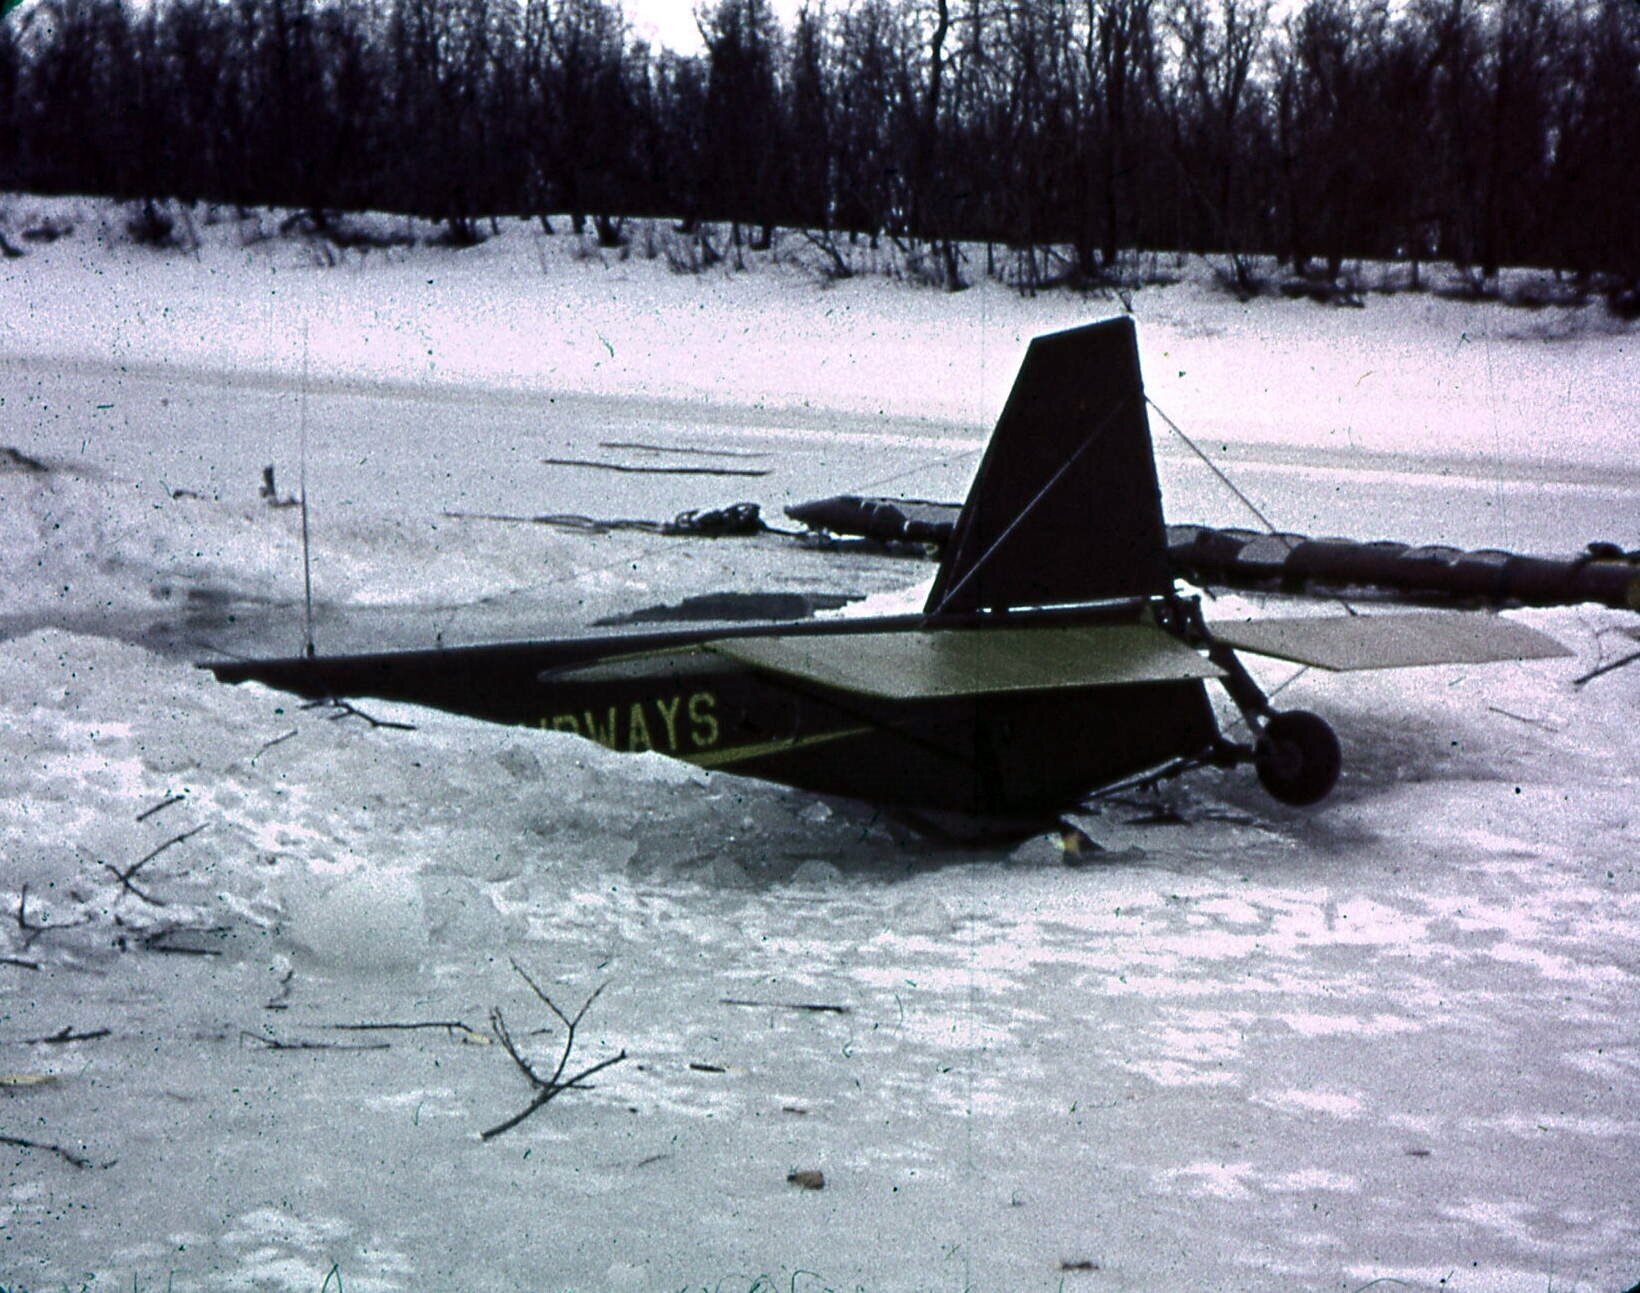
pixel 1391 1038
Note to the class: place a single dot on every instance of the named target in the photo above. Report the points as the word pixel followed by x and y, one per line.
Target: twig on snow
pixel 1543 725
pixel 637 469
pixel 812 1007
pixel 68 1156
pixel 31 931
pixel 278 740
pixel 1609 667
pixel 281 999
pixel 146 813
pixel 157 940
pixel 124 877
pixel 345 709
pixel 453 1028
pixel 546 1088
pixel 64 1035
pixel 276 1044
pixel 687 451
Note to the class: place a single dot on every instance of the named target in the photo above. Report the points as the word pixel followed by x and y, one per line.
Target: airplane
pixel 1055 655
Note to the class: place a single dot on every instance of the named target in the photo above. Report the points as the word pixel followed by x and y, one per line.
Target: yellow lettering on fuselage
pixel 643 722
pixel 603 735
pixel 637 729
pixel 703 724
pixel 669 715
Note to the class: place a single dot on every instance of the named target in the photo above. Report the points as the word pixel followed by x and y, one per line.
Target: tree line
pixel 1485 132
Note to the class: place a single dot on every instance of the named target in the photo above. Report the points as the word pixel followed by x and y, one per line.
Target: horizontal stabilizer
pixel 1344 643
pixel 926 665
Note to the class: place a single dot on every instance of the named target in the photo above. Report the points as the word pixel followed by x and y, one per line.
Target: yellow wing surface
pixel 1345 643
pixel 946 663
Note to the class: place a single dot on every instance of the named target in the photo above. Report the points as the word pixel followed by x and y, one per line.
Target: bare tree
pixel 1218 47
pixel 1595 176
pixel 744 127
pixel 873 91
pixel 1120 59
pixel 810 151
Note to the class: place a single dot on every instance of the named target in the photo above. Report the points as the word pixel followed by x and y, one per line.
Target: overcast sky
pixel 672 22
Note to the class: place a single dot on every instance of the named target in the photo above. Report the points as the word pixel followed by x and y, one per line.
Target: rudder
pixel 1065 508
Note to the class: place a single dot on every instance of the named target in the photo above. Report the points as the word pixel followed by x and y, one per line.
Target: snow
pixel 1386 1039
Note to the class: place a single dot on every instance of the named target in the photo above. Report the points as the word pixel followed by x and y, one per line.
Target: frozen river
pixel 418 452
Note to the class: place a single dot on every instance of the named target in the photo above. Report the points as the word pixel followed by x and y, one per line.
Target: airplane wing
pixel 1345 643
pixel 943 663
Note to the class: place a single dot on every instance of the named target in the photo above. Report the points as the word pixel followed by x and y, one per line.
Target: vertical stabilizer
pixel 1065 507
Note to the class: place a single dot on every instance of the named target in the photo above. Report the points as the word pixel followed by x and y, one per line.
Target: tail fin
pixel 1066 507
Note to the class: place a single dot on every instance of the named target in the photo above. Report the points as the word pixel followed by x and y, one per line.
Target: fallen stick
pixel 268 745
pixel 32 931
pixel 548 1092
pixel 64 1035
pixel 563 520
pixel 1611 667
pixel 1541 724
pixel 275 1044
pixel 146 813
pixel 546 1089
pixel 635 469
pixel 124 877
pixel 812 1007
pixel 346 709
pixel 452 1027
pixel 22 1142
pixel 687 451
pixel 155 940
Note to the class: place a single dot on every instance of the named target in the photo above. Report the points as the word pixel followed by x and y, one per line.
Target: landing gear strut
pixel 1296 753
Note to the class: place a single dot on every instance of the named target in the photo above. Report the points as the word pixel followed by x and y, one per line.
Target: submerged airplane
pixel 1054 657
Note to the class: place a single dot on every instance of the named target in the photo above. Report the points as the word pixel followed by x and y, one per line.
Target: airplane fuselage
pixel 1021 753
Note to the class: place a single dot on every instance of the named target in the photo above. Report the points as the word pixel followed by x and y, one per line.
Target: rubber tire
pixel 1298 757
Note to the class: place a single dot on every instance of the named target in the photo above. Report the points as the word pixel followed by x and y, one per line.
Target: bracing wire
pixel 307 550
pixel 1265 521
pixel 1213 467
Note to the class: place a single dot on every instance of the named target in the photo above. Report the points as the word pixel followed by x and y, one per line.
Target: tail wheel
pixel 1298 757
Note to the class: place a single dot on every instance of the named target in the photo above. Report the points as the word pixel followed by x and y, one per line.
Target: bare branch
pixel 536 988
pixel 812 1007
pixel 64 1035
pixel 546 1089
pixel 637 469
pixel 499 1026
pixel 146 813
pixel 346 709
pixel 124 877
pixel 125 883
pixel 596 993
pixel 78 1160
pixel 275 1044
pixel 278 740
pixel 1610 667
pixel 452 1028
pixel 31 931
pixel 547 1093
